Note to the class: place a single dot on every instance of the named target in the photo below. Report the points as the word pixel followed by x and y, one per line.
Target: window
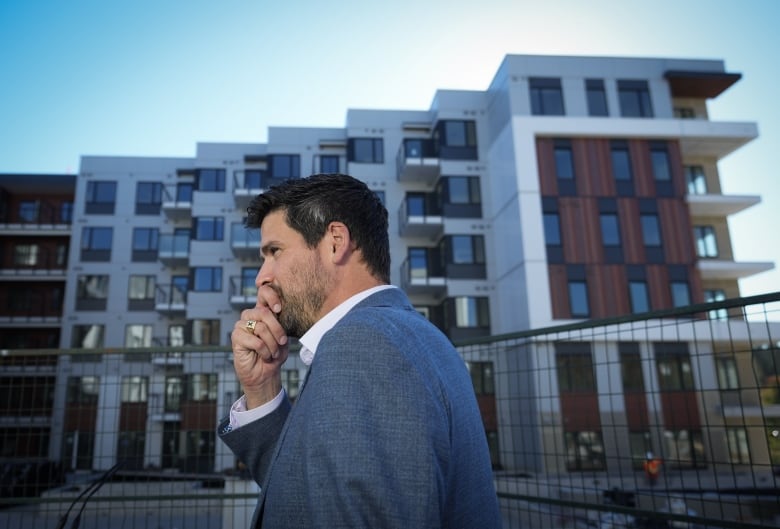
pixel 552 229
pixel 631 368
pixel 141 287
pixel 564 160
pixel 640 445
pixel 207 279
pixel 640 300
pixel 575 372
pixel 455 140
pixel 684 113
pixel 138 335
pixel 82 391
pixel 674 372
pixel 610 229
pixel 634 97
pixel 145 244
pixel 467 249
pixel 201 387
pixel 462 190
pixel 418 263
pixel 621 161
pixel 205 332
pixel 254 178
pixel 659 156
pixel 100 198
pixel 174 389
pixel 96 244
pixel 135 389
pixel 546 96
pixel 597 97
pixel 329 163
pixel 365 150
pixel 584 451
pixel 184 191
pixel 284 166
pixel 148 198
pixel 29 210
pixel 87 336
pixel 578 299
pixel 696 180
pixel 706 242
pixel 651 230
pixel 209 228
pixel 482 377
pixel 248 287
pixel 713 296
pixel 727 373
pixel 766 366
pixel 91 292
pixel 210 180
pixel 26 254
pixel 739 449
pixel 471 312
pixel 681 294
pixel 684 448
pixel 66 212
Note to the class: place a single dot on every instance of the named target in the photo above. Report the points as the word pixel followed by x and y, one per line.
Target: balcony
pixel 36 263
pixel 245 242
pixel 714 269
pixel 419 217
pixel 167 359
pixel 243 292
pixel 247 184
pixel 713 139
pixel 170 299
pixel 38 218
pixel 174 249
pixel 420 278
pixel 708 205
pixel 417 161
pixel 177 201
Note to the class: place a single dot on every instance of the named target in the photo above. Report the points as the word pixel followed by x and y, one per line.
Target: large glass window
pixel 82 390
pixel 610 229
pixel 141 287
pixel 631 368
pixel 96 238
pixel 713 296
pixel 552 229
pixel 100 197
pixel 597 97
pixel 145 239
pixel 739 449
pixel 92 287
pixel 578 299
pixel 87 336
pixel 546 96
pixel 681 293
pixel 462 190
pixel 651 230
pixel 471 312
pixel 696 180
pixel 135 389
pixel 575 372
pixel 564 160
pixel 29 210
pixel 640 300
pixel 285 166
pixel 210 180
pixel 584 450
pixel 26 254
pixel 201 387
pixel 148 198
pixel 482 377
pixel 418 263
pixel 205 332
pixel 467 249
pixel 674 372
pixel 209 228
pixel 659 157
pixel 329 164
pixel 366 150
pixel 455 139
pixel 137 335
pixel 706 242
pixel 634 99
pixel 684 448
pixel 207 279
pixel 727 373
pixel 621 160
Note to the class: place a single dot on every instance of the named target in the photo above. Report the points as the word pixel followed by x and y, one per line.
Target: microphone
pixel 88 492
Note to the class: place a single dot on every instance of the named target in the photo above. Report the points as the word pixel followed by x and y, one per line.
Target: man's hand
pixel 260 349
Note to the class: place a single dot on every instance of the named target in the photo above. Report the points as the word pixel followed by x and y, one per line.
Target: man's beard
pixel 301 304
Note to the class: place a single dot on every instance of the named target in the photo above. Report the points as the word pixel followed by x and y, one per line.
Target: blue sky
pixel 154 77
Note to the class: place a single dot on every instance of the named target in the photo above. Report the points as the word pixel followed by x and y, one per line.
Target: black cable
pixel 88 492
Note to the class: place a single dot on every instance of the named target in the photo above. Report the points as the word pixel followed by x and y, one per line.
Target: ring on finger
pixel 250 326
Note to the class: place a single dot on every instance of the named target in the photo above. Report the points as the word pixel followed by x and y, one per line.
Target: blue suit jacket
pixel 385 432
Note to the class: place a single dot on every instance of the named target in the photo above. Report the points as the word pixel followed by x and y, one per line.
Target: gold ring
pixel 250 326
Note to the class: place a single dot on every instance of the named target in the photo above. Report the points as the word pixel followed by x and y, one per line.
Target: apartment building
pixel 572 188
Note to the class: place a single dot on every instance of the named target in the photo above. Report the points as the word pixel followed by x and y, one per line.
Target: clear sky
pixel 155 77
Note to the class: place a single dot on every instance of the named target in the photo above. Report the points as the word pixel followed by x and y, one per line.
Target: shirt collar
pixel 311 339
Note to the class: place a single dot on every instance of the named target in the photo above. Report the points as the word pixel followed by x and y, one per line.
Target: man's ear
pixel 339 242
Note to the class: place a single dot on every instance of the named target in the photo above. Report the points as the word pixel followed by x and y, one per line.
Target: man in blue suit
pixel 385 431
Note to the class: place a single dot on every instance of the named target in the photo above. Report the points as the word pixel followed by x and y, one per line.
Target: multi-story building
pixel 35 227
pixel 572 188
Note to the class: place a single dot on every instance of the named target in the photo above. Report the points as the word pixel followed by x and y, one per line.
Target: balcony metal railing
pixel 417 161
pixel 174 248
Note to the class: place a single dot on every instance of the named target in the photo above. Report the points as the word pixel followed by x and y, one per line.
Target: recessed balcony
pixel 244 242
pixel 418 277
pixel 170 299
pixel 174 249
pixel 417 161
pixel 419 217
pixel 177 201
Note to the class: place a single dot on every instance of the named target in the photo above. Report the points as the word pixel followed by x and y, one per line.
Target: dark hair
pixel 311 203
